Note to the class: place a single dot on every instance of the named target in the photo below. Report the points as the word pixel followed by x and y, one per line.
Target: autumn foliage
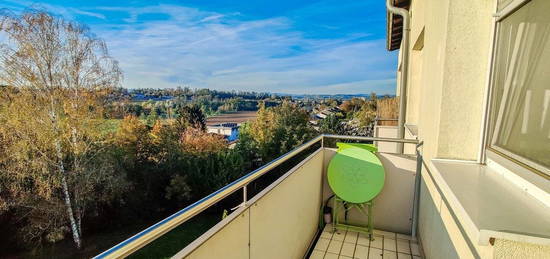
pixel 197 141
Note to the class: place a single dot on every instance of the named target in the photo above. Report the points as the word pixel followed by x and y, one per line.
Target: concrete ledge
pixel 488 205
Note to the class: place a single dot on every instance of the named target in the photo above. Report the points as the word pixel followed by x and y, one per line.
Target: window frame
pixel 510 8
pixel 490 130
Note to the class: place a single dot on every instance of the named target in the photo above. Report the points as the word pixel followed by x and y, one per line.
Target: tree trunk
pixel 74 227
pixel 67 198
pixel 63 173
pixel 79 213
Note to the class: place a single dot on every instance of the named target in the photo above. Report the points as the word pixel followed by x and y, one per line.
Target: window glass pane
pixel 521 100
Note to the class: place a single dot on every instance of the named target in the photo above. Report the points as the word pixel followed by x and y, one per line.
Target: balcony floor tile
pixel 350 244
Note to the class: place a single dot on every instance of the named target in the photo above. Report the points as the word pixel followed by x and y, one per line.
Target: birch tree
pixel 55 74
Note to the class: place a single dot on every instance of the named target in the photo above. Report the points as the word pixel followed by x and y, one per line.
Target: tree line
pixel 188 92
pixel 151 104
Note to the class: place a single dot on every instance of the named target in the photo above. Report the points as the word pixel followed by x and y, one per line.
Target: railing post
pixel 322 140
pixel 244 194
pixel 417 181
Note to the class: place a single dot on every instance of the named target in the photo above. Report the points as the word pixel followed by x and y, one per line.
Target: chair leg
pixel 334 214
pixel 370 220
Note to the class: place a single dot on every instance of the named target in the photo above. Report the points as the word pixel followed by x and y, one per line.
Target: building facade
pixel 477 93
pixel 229 130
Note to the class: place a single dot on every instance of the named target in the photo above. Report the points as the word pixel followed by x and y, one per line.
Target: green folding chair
pixel 356 176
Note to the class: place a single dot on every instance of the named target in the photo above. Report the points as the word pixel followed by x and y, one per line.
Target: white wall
pixel 386 132
pixel 279 222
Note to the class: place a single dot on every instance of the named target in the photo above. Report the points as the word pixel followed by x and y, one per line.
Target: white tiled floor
pixel 350 244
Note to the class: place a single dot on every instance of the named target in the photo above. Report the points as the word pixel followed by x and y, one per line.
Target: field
pixel 235 117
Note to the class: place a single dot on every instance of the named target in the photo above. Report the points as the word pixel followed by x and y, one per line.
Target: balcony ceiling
pixel 395 26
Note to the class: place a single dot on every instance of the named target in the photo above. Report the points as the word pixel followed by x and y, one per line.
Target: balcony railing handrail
pixel 151 233
pixel 362 138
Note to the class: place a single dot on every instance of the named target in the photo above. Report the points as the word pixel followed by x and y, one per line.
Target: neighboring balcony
pixel 284 220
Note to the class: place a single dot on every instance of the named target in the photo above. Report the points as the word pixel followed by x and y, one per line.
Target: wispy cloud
pixel 215 17
pixel 92 14
pixel 198 48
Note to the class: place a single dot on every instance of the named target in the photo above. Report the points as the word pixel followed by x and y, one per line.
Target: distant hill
pixel 145 94
pixel 333 96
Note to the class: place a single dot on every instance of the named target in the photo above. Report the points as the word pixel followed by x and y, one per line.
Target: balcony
pixel 283 219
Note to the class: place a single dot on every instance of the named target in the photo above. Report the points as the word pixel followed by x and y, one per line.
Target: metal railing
pixel 141 239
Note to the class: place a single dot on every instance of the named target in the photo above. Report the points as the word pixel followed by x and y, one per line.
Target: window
pixel 520 106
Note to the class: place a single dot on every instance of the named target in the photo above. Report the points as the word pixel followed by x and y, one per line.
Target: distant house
pixel 229 130
pixel 326 112
pixel 321 115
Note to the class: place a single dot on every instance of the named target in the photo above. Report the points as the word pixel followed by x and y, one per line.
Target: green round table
pixel 355 174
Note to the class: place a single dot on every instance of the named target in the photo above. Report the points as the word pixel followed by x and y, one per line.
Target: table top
pixel 355 174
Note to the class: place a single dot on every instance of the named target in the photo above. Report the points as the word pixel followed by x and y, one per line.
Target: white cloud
pixel 92 14
pixel 212 18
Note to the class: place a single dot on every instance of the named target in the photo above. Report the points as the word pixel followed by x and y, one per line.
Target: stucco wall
pixel 415 60
pixel 506 249
pixel 448 79
pixel 465 78
pixel 448 76
pixel 431 79
pixel 435 239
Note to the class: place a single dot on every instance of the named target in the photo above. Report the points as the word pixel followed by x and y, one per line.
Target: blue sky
pixel 313 47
